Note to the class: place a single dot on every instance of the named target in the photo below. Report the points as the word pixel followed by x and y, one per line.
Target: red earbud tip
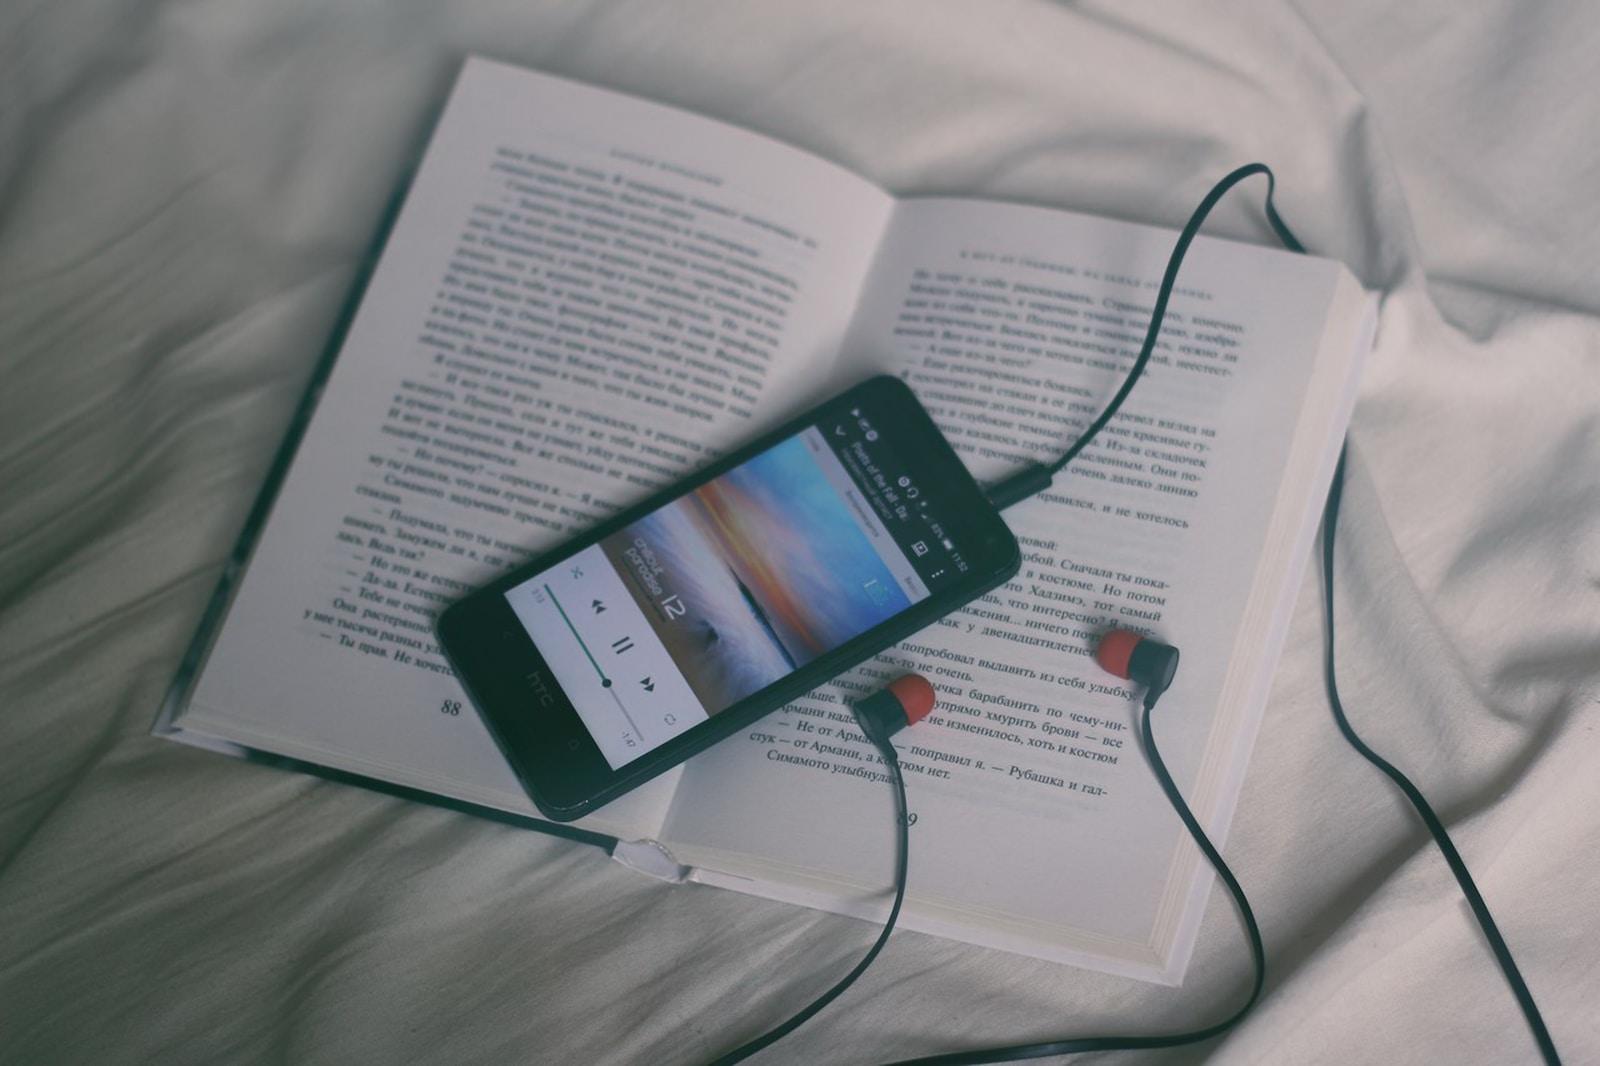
pixel 916 696
pixel 1115 649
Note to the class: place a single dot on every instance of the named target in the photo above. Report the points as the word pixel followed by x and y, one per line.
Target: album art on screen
pixel 705 571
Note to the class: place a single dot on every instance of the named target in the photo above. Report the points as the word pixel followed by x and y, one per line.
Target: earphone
pixel 904 701
pixel 1142 660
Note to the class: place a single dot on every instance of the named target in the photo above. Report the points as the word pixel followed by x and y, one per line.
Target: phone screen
pixel 738 582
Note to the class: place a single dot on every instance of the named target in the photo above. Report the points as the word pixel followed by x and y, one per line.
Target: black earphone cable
pixel 891 763
pixel 1073 1045
pixel 1035 478
pixel 1436 829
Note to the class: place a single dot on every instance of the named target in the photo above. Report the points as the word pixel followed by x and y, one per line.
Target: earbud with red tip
pixel 1142 660
pixel 904 701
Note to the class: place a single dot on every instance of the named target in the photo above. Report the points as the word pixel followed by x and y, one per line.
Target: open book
pixel 585 295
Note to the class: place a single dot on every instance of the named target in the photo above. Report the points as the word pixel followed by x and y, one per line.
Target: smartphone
pixel 687 617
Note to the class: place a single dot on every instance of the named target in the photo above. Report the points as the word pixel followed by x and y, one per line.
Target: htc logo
pixel 540 687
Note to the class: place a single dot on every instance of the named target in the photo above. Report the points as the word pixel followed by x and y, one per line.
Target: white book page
pixel 584 297
pixel 1034 808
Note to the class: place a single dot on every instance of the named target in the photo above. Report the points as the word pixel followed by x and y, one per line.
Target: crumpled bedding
pixel 186 191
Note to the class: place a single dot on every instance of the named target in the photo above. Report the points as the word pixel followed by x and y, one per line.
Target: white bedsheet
pixel 185 191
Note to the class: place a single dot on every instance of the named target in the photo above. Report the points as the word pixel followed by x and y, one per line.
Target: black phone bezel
pixel 558 762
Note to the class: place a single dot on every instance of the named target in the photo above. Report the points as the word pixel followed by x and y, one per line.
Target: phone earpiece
pixel 1142 660
pixel 904 701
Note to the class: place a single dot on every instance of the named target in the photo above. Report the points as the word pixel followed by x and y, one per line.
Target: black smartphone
pixel 682 620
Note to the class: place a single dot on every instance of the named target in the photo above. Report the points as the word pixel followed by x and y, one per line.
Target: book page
pixel 584 297
pixel 1033 803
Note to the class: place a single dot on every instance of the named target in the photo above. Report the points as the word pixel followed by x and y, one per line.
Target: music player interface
pixel 734 585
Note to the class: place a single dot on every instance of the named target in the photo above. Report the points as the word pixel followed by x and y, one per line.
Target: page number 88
pixel 450 707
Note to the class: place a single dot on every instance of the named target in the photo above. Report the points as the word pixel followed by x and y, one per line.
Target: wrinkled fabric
pixel 186 193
